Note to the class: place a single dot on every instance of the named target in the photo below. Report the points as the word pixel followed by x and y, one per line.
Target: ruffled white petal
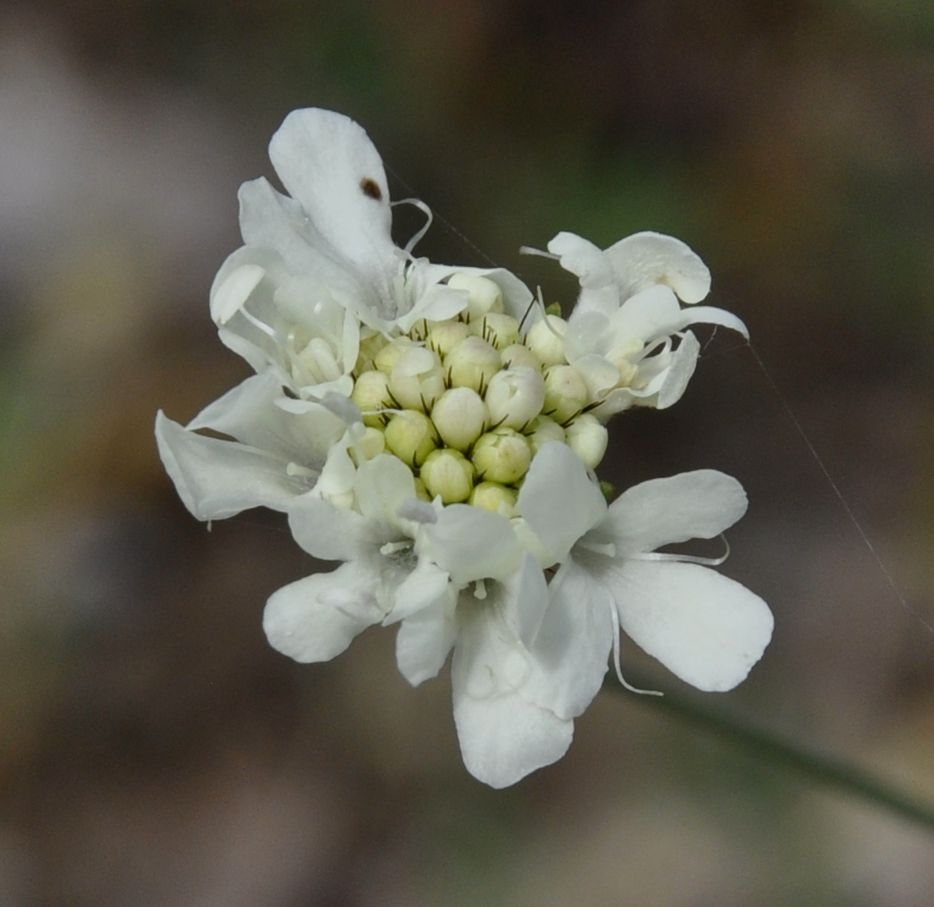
pixel 503 736
pixel 650 313
pixel 316 618
pixel 558 500
pixel 692 505
pixel 681 365
pixel 424 641
pixel 216 479
pixel 327 163
pixel 648 258
pixel 705 628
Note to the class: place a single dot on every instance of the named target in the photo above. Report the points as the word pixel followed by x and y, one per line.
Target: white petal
pixel 651 313
pixel 705 314
pixel 583 258
pixel 327 162
pixel 526 600
pixel 249 413
pixel 423 588
pixel 382 486
pixel 692 505
pixel 558 499
pixel 233 293
pixel 424 640
pixel 471 544
pixel 503 737
pixel 331 533
pixel 679 372
pixel 644 259
pixel 216 479
pixel 316 618
pixel 571 650
pixel 707 629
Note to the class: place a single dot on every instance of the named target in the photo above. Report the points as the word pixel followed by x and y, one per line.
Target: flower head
pixel 435 434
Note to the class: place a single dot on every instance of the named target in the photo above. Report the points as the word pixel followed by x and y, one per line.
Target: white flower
pixel 457 578
pixel 316 618
pixel 620 335
pixel 707 629
pixel 477 591
pixel 286 323
pixel 273 457
pixel 334 230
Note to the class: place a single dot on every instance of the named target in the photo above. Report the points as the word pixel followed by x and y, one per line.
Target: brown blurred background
pixel 155 751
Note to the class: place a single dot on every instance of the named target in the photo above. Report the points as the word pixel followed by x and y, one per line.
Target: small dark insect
pixel 370 188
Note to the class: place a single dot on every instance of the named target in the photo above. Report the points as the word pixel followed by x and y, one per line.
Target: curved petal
pixel 471 544
pixel 316 618
pixel 249 413
pixel 692 505
pixel 424 640
pixel 680 369
pixel 558 499
pixel 503 737
pixel 327 162
pixel 648 258
pixel 216 479
pixel 707 629
pixel 572 648
pixel 706 314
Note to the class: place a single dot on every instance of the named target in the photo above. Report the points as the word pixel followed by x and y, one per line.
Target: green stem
pixel 779 751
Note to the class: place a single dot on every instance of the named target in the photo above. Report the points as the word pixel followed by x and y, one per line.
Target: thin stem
pixel 779 751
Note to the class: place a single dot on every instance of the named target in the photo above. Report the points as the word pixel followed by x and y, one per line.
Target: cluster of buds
pixel 467 402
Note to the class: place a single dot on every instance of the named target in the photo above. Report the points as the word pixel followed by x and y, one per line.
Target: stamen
pixel 685 558
pixel 391 548
pixel 417 238
pixel 531 250
pixel 479 589
pixel 619 673
pixel 261 325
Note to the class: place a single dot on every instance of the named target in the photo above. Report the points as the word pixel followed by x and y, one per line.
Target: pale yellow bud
pixel 370 444
pixel 460 416
pixel 421 492
pixel 546 339
pixel 472 363
pixel 565 392
pixel 502 455
pixel 496 497
pixel 411 436
pixel 515 396
pixel 484 295
pixel 369 347
pixel 416 380
pixel 448 474
pixel 542 430
pixel 497 329
pixel 443 336
pixel 387 357
pixel 588 438
pixel 517 355
pixel 371 394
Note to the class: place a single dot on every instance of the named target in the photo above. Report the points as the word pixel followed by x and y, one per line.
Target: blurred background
pixel 155 751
